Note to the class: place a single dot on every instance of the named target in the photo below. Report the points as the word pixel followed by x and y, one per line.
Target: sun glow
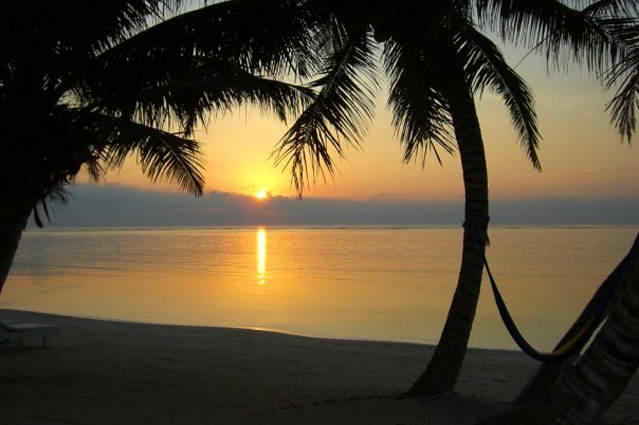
pixel 261 194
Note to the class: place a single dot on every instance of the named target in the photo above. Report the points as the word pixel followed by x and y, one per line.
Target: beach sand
pixel 104 372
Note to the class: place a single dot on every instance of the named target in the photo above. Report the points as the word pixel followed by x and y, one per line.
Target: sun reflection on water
pixel 261 256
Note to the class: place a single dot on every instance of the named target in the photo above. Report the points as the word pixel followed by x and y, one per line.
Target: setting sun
pixel 261 194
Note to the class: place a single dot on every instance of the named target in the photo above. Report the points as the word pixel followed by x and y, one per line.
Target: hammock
pixel 566 350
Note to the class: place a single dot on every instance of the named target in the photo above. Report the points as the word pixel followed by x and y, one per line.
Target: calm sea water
pixel 380 283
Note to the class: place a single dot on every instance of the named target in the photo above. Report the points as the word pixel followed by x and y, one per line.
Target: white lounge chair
pixel 16 331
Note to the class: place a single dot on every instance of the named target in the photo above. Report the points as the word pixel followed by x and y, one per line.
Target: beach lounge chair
pixel 16 331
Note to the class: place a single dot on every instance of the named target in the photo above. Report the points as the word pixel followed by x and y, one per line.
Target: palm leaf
pixel 161 155
pixel 623 105
pixel 56 194
pixel 487 68
pixel 202 60
pixel 616 8
pixel 265 36
pixel 561 32
pixel 624 76
pixel 183 94
pixel 341 111
pixel 420 110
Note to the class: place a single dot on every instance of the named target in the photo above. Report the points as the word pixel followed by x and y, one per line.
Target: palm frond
pixel 623 105
pixel 183 94
pixel 340 112
pixel 94 169
pixel 201 60
pixel 624 76
pixel 263 36
pixel 219 85
pixel 161 155
pixel 609 8
pixel 56 194
pixel 562 33
pixel 487 68
pixel 420 110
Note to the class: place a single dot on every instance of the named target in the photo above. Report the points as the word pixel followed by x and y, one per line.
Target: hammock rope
pixel 566 350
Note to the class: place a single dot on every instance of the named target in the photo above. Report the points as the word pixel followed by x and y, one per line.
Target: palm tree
pixel 435 59
pixel 66 104
pixel 606 42
pixel 86 84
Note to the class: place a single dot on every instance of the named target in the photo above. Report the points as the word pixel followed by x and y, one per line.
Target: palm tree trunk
pixel 548 374
pixel 586 391
pixel 443 369
pixel 13 219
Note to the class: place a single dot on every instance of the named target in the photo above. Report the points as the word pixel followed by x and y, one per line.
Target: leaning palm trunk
pixel 441 374
pixel 13 220
pixel 586 391
pixel 548 374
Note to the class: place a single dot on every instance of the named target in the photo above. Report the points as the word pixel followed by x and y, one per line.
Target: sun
pixel 261 194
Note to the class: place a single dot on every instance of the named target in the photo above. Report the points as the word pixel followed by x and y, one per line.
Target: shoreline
pixel 238 328
pixel 256 329
pixel 108 372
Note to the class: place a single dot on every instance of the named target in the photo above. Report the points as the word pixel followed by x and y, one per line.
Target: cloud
pixel 113 205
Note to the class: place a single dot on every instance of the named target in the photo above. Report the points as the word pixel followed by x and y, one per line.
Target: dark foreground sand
pixel 101 372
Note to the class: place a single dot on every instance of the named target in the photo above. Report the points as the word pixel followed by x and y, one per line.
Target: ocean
pixel 390 283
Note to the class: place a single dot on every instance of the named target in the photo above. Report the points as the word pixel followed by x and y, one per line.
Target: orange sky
pixel 582 155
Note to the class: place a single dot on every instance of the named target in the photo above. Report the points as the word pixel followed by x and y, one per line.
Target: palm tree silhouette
pixel 86 84
pixel 436 58
pixel 581 389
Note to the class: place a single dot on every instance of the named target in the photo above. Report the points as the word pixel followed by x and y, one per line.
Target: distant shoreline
pixel 53 227
pixel 129 206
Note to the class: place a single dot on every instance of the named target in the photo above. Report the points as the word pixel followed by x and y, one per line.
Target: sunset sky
pixel 582 155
